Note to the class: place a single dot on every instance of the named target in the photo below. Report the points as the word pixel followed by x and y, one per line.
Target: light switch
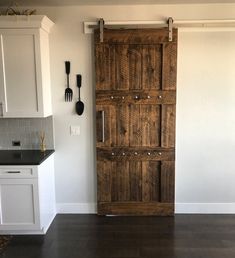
pixel 74 130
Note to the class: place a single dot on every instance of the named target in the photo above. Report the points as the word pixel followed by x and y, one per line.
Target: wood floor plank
pixel 92 236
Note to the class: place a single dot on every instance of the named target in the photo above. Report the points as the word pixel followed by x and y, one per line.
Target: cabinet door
pixel 19 204
pixel 20 73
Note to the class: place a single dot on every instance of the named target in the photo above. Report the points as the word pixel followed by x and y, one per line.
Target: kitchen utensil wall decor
pixel 68 91
pixel 79 107
pixel 79 104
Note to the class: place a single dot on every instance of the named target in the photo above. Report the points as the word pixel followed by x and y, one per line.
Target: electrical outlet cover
pixel 74 130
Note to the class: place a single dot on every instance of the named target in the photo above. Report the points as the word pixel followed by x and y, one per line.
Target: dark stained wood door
pixel 135 121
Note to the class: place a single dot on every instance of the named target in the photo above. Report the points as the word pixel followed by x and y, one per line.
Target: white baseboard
pixel 76 208
pixel 205 208
pixel 180 208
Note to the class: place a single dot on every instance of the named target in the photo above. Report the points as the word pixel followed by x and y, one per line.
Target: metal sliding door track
pixel 90 26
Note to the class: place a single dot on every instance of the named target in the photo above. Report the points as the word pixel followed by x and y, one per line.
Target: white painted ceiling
pixel 106 2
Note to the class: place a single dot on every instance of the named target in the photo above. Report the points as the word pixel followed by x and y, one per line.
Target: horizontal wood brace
pixel 136 208
pixel 138 154
pixel 137 37
pixel 136 97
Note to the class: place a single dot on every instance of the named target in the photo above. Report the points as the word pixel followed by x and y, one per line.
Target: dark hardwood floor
pixel 90 236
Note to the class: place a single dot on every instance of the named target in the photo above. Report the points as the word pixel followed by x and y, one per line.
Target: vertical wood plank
pixel 103 180
pixel 135 126
pixel 112 67
pixel 150 125
pixel 155 169
pixel 113 128
pixel 102 67
pixel 99 126
pixel 122 67
pixel 151 71
pixel 135 66
pixel 135 171
pixel 150 181
pixel 122 134
pixel 169 66
pixel 145 124
pixel 123 181
pixel 114 182
pixel 167 181
pixel 146 180
pixel 168 126
pixel 155 126
pixel 120 181
pixel 162 67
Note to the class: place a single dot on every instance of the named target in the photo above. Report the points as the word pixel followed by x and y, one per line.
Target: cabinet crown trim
pixel 26 21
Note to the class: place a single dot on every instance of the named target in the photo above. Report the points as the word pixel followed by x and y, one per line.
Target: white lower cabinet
pixel 27 200
pixel 19 204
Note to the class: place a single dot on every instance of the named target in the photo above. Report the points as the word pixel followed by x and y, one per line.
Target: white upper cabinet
pixel 25 89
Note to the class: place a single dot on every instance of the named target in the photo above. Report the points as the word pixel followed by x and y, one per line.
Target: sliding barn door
pixel 135 121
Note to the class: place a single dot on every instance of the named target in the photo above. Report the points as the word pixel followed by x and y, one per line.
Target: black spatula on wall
pixel 79 103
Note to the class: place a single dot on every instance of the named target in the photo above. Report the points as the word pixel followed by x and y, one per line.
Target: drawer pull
pixel 13 172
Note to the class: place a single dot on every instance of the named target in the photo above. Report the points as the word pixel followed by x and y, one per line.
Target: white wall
pixel 205 171
pixel 206 121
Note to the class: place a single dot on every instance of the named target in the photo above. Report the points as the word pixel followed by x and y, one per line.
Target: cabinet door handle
pixel 13 172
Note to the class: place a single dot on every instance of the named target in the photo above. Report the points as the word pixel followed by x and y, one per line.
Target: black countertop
pixel 23 157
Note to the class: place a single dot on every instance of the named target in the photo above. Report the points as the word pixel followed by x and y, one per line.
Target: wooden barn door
pixel 135 121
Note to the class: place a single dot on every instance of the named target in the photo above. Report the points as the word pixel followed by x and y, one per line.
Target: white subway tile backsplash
pixel 26 130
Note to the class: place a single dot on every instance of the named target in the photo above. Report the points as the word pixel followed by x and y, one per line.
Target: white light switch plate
pixel 74 130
